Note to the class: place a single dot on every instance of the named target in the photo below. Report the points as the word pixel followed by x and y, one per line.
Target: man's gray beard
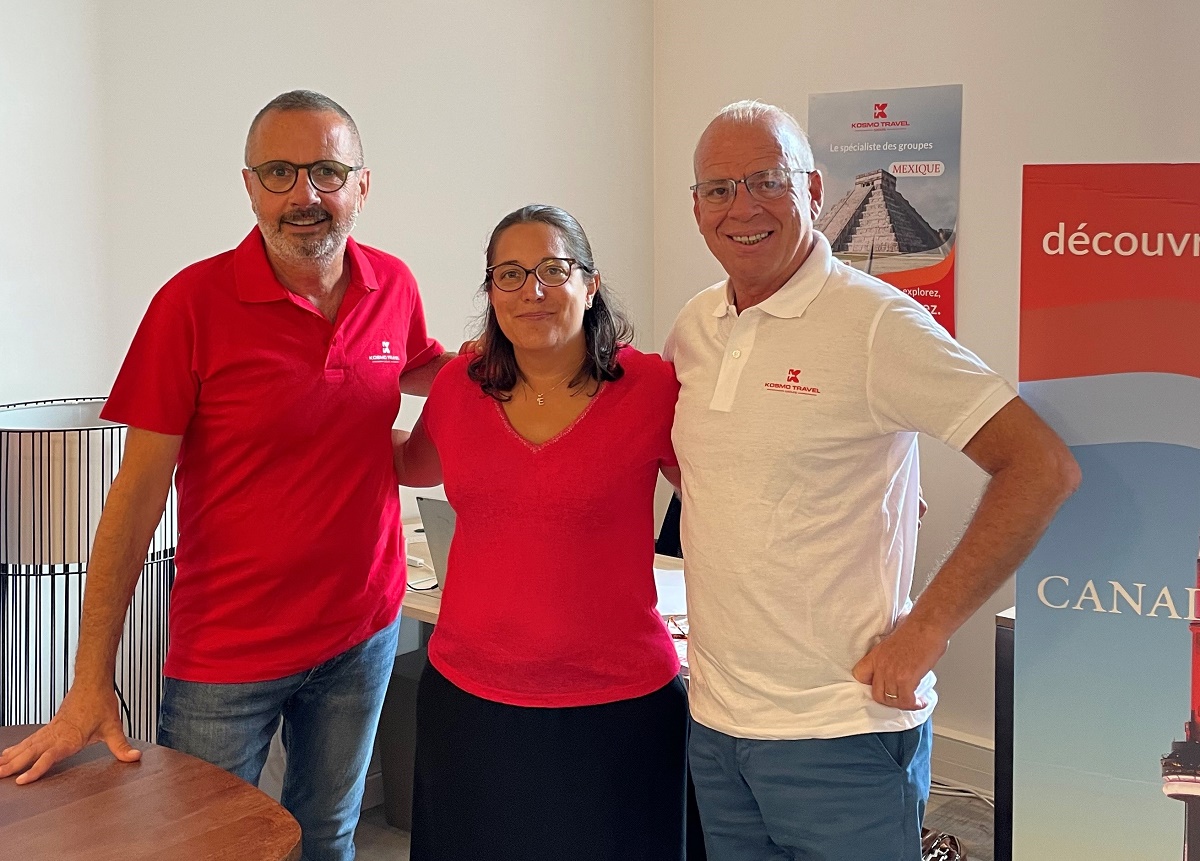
pixel 300 250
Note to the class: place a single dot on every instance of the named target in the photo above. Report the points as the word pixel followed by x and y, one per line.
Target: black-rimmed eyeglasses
pixel 279 177
pixel 551 272
pixel 770 184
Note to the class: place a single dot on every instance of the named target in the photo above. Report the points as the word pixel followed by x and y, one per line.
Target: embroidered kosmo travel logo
pixel 385 353
pixel 791 385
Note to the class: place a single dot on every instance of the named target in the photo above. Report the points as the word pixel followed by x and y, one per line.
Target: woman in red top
pixel 551 720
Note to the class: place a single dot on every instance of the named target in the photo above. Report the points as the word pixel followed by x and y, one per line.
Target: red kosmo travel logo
pixel 879 120
pixel 792 385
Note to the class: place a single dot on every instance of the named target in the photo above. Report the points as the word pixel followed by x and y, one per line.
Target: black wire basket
pixel 58 459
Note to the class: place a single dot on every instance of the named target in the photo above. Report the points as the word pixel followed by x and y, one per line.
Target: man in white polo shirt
pixel 804 385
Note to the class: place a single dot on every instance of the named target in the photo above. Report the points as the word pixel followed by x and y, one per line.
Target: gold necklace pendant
pixel 540 397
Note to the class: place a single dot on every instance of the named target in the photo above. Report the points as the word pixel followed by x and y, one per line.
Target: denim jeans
pixel 817 799
pixel 330 714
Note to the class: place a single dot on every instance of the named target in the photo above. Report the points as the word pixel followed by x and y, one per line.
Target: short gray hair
pixel 306 100
pixel 752 112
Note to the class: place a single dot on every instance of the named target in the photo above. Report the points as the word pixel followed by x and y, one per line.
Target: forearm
pixel 414 459
pixel 131 513
pixel 1032 473
pixel 400 439
pixel 418 380
pixel 1015 509
pixel 118 554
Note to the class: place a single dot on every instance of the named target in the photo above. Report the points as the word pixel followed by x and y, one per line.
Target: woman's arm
pixel 414 457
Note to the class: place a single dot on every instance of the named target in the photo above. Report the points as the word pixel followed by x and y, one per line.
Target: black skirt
pixel 495 782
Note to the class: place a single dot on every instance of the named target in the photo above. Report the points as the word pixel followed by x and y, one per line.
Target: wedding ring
pixel 891 696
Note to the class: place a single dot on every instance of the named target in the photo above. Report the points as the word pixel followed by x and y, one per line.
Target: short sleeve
pixel 668 352
pixel 420 348
pixel 441 396
pixel 921 379
pixel 664 392
pixel 158 385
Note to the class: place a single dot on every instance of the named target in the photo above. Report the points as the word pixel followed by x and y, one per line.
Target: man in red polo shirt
pixel 266 379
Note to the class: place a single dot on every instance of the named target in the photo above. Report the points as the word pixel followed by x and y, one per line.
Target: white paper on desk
pixel 672 597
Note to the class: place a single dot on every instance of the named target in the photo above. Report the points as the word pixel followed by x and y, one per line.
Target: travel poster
pixel 1107 671
pixel 890 163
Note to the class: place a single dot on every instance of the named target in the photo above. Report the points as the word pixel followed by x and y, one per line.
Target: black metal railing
pixel 53 483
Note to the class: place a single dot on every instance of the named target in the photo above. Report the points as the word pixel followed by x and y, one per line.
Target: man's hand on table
pixel 85 716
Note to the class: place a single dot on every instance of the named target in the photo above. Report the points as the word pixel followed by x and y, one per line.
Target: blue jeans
pixel 330 714
pixel 860 797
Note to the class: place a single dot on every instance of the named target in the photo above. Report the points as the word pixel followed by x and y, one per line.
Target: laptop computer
pixel 437 519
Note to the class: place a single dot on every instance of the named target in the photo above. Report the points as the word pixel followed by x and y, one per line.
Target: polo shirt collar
pixel 794 297
pixel 256 281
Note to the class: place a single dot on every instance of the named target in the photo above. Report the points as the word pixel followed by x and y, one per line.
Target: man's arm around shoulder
pixel 418 380
pixel 1032 473
pixel 89 712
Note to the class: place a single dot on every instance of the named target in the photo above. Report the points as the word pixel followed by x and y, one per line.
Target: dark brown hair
pixel 606 329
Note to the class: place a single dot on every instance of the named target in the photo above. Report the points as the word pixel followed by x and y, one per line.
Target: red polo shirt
pixel 290 548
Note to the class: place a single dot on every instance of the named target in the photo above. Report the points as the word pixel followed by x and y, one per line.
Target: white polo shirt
pixel 796 430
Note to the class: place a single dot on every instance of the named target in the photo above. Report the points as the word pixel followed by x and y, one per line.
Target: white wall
pixel 1075 81
pixel 467 111
pixel 135 114
pixel 51 297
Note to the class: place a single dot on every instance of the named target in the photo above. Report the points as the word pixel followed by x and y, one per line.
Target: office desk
pixel 420 603
pixel 167 805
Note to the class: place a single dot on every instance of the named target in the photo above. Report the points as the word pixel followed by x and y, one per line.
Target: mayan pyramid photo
pixel 874 218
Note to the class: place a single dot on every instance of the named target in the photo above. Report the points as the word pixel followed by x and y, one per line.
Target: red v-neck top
pixel 550 597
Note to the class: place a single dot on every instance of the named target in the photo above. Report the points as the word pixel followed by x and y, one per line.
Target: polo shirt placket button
pixel 334 358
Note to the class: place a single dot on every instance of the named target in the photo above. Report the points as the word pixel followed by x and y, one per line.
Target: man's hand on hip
pixel 85 716
pixel 898 663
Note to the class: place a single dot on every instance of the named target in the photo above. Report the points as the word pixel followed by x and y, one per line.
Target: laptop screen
pixel 437 518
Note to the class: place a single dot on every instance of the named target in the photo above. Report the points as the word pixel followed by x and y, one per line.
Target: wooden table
pixel 168 805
